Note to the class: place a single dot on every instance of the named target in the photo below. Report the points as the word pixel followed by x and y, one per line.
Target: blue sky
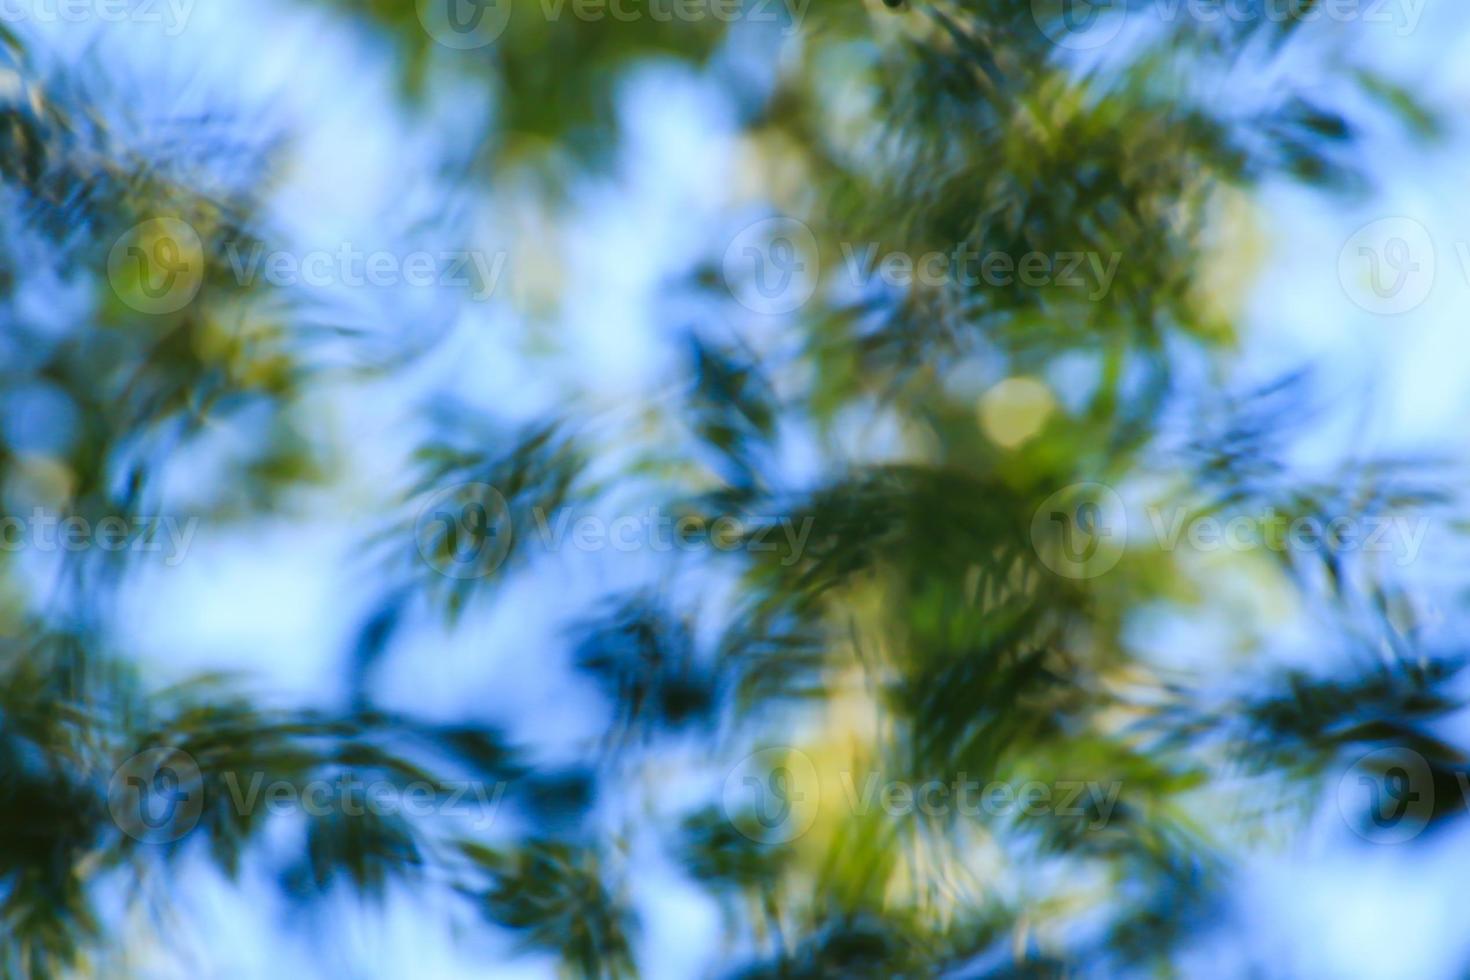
pixel 281 597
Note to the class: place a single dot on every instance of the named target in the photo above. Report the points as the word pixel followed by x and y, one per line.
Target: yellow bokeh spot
pixel 1015 410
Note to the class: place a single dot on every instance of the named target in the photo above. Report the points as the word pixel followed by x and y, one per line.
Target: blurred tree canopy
pixel 916 632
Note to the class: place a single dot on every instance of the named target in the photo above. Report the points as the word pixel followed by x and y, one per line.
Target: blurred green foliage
pixel 917 634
